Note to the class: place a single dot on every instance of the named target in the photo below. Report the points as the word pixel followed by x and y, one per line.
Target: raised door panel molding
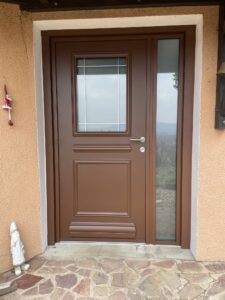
pixel 103 230
pixel 102 148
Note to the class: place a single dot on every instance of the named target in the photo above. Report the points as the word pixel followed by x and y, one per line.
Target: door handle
pixel 141 139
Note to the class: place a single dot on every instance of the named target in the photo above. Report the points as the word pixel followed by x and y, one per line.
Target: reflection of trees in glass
pixel 166 161
pixel 176 80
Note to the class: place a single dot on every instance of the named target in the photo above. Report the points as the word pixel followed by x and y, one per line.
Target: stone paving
pixel 118 272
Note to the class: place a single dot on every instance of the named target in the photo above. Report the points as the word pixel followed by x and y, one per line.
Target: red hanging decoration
pixel 7 104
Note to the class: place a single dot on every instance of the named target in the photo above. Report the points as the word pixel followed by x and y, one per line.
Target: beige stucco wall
pixel 19 193
pixel 19 185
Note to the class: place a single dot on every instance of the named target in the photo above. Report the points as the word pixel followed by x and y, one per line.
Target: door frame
pixel 186 139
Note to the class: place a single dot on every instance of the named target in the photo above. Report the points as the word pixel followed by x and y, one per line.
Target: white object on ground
pixel 17 251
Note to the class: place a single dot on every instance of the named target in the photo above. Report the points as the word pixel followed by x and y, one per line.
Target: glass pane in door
pixel 101 94
pixel 166 138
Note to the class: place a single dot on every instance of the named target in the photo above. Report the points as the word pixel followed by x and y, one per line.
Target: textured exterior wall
pixel 19 193
pixel 211 209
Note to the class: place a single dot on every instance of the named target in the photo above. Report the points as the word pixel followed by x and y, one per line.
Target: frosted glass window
pixel 101 94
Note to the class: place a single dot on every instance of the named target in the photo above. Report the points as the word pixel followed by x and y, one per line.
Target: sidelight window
pixel 166 138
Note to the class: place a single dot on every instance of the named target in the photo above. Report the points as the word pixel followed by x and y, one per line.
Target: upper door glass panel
pixel 101 94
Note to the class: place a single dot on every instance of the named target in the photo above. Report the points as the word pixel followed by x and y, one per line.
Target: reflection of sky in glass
pixel 167 97
pixel 101 94
pixel 166 139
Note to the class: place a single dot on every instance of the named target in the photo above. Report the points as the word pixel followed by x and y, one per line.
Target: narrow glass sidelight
pixel 101 94
pixel 166 138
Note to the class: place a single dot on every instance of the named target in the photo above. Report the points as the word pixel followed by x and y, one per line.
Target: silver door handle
pixel 141 139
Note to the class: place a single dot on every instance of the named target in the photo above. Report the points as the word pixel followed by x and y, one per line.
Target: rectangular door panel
pixel 101 102
pixel 101 198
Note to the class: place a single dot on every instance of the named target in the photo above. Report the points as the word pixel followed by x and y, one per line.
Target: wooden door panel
pixel 101 178
pixel 102 174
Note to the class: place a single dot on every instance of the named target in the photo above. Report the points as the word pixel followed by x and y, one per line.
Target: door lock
pixel 142 149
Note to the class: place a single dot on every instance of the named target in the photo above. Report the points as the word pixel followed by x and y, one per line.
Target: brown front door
pixel 118 107
pixel 101 103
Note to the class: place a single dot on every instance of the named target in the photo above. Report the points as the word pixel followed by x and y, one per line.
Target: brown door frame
pixel 185 125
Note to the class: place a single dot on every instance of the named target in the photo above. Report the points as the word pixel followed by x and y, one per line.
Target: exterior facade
pixel 24 183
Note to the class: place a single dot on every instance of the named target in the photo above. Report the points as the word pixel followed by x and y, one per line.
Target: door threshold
pixel 76 250
pixel 92 243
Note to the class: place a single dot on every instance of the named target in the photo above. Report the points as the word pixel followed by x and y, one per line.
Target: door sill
pixel 73 250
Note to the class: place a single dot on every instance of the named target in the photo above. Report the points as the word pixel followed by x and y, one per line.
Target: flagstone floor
pixel 89 271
